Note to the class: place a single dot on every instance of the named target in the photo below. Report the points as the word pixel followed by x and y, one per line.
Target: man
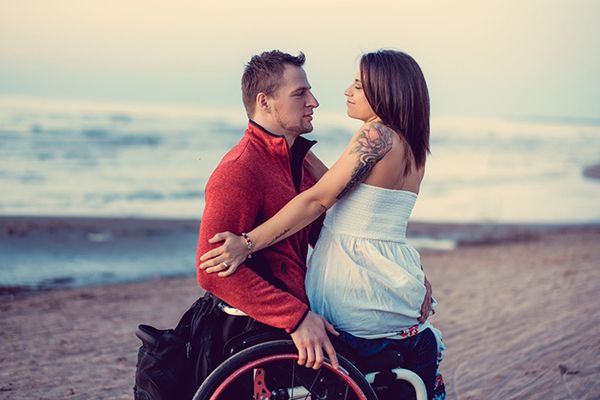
pixel 254 180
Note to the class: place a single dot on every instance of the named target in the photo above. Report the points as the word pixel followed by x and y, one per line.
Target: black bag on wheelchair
pixel 171 362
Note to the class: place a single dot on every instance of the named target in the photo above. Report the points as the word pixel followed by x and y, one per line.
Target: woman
pixel 362 276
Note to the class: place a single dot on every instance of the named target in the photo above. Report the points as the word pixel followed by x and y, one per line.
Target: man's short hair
pixel 263 74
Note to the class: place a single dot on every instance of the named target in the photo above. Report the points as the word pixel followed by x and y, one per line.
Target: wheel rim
pixel 341 374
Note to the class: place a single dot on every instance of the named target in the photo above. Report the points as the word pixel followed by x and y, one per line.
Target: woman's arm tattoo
pixel 277 237
pixel 286 230
pixel 373 142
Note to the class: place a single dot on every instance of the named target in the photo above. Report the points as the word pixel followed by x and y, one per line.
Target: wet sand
pixel 518 308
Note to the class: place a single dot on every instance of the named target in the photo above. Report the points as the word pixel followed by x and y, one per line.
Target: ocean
pixel 86 159
pixel 60 158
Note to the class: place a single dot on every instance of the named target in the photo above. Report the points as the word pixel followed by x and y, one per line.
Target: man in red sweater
pixel 253 181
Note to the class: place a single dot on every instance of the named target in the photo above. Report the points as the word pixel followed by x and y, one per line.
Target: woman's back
pixel 388 173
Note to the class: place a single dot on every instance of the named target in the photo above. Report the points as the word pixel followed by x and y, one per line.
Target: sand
pixel 520 316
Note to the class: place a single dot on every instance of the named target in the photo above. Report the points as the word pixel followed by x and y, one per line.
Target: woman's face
pixel 357 105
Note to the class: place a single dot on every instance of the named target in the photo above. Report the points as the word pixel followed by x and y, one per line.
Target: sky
pixel 506 58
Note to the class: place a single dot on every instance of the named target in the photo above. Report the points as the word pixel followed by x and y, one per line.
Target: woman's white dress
pixel 362 275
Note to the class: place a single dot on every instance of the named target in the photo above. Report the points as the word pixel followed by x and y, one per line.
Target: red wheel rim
pixel 280 357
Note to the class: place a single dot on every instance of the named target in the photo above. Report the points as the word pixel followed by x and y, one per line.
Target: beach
pixel 518 309
pixel 121 123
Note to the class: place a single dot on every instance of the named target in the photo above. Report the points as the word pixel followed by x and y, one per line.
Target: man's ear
pixel 263 102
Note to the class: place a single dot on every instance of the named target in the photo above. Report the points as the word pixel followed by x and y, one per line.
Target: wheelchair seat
pixel 384 360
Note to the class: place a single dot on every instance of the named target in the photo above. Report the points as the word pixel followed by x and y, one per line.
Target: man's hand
pixel 426 306
pixel 311 338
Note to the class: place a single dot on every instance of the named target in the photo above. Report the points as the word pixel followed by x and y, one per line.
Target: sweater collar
pixel 277 143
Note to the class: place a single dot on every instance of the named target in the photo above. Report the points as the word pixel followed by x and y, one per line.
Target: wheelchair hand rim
pixel 282 357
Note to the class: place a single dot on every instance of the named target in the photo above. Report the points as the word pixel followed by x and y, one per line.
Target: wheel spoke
pixel 313 383
pixel 293 375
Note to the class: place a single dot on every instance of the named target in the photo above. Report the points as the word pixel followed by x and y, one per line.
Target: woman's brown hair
pixel 396 90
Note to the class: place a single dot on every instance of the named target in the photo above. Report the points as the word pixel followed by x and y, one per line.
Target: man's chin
pixel 306 129
pixel 301 130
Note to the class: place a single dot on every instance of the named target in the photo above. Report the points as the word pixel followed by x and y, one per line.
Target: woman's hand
pixel 226 258
pixel 426 306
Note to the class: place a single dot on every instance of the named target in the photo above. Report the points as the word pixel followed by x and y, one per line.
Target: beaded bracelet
pixel 249 244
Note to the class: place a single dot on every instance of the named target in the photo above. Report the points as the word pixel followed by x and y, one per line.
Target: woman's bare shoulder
pixel 376 127
pixel 373 138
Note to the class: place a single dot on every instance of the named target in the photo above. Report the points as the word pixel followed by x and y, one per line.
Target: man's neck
pixel 275 130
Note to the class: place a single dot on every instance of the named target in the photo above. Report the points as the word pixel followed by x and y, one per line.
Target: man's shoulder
pixel 239 165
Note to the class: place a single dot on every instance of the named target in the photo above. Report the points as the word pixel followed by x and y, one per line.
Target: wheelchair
pixel 267 369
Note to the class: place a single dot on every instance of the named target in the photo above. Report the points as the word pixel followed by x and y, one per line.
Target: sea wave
pixel 82 158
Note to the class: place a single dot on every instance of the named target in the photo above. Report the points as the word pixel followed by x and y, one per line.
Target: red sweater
pixel 253 181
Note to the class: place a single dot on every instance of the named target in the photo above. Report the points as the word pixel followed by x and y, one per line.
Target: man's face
pixel 293 103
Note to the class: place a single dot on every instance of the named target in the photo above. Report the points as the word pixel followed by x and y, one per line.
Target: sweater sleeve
pixel 233 204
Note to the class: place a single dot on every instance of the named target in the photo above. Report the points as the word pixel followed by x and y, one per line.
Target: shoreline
pixel 466 233
pixel 95 251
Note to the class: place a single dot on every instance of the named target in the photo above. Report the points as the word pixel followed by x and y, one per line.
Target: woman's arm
pixel 369 145
pixel 315 166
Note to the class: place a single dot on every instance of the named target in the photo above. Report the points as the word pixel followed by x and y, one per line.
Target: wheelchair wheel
pixel 269 371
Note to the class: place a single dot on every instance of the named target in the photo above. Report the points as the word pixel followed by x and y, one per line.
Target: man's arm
pixel 231 204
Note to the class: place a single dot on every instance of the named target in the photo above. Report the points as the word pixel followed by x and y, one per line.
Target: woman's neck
pixel 374 118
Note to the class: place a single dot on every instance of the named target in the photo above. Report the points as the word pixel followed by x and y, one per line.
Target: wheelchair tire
pixel 271 356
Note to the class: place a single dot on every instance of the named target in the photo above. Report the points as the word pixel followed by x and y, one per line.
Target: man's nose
pixel 312 101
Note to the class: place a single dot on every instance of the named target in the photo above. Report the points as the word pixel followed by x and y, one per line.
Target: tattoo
pixel 373 142
pixel 286 230
pixel 277 237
